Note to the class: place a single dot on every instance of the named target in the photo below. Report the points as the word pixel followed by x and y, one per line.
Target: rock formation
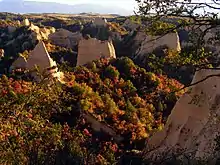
pixel 19 63
pixel 65 38
pixel 193 124
pixel 2 52
pixel 40 33
pixel 40 58
pixel 23 38
pixel 26 22
pixel 150 43
pixel 93 49
pixel 100 22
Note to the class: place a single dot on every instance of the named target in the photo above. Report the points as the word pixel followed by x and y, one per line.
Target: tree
pixel 196 14
pixel 199 16
pixel 183 13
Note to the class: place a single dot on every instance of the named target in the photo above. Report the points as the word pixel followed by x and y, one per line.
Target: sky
pixel 126 4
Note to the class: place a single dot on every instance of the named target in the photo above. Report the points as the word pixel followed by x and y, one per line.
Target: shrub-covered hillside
pixel 48 124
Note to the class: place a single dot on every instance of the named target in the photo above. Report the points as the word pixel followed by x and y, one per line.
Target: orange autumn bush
pixel 127 96
pixel 44 124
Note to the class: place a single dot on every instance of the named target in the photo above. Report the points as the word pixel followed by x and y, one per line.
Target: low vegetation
pixel 43 124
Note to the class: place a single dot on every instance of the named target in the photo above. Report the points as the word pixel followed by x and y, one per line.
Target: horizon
pixel 125 4
pixel 129 6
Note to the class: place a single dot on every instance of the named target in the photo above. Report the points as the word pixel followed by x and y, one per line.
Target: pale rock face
pixel 26 22
pixel 93 49
pixel 40 58
pixel 150 43
pixel 99 21
pixel 65 38
pixel 193 123
pixel 140 36
pixel 20 63
pixel 2 52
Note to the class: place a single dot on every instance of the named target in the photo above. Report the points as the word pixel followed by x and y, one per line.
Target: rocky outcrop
pixel 21 38
pixel 100 22
pixel 150 43
pixel 19 63
pixel 65 38
pixel 40 33
pixel 26 22
pixel 41 59
pixel 2 52
pixel 193 124
pixel 93 49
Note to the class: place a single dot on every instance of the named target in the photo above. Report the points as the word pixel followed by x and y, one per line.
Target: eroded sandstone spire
pixel 65 38
pixel 40 57
pixel 193 124
pixel 93 49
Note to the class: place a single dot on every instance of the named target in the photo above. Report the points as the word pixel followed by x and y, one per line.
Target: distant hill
pixel 19 6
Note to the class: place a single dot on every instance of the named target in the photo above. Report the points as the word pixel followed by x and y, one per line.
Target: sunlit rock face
pixel 65 38
pixel 21 38
pixel 26 22
pixel 40 58
pixel 150 43
pixel 93 49
pixel 40 33
pixel 2 52
pixel 193 124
